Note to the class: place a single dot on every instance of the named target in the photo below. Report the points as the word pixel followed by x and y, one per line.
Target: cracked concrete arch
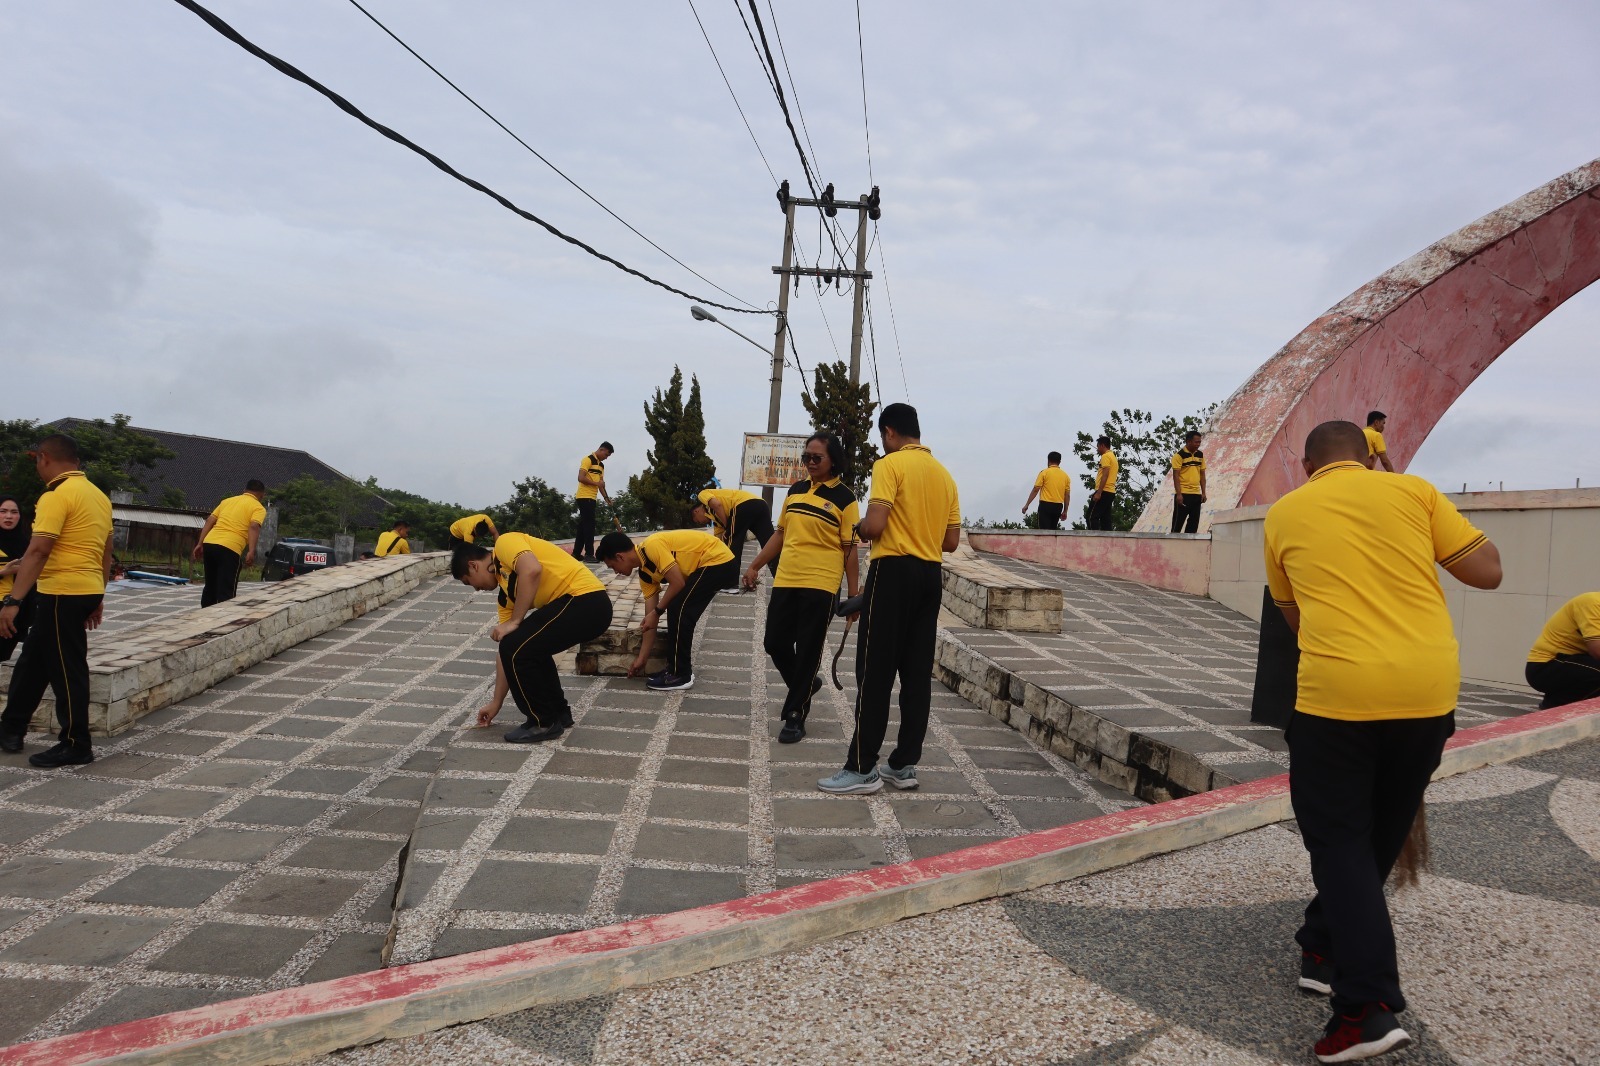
pixel 1408 342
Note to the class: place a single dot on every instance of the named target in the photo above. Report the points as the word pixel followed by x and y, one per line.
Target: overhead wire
pixel 291 71
pixel 893 325
pixel 734 95
pixel 866 123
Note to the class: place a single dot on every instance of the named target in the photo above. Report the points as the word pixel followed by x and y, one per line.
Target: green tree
pixel 429 519
pixel 626 508
pixel 171 496
pixel 837 407
pixel 309 507
pixel 679 465
pixel 536 509
pixel 112 455
pixel 1143 448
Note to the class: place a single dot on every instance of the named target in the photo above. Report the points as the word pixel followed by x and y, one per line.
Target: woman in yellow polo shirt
pixel 814 546
pixel 15 533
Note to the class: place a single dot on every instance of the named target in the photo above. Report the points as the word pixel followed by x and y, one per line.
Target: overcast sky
pixel 1085 206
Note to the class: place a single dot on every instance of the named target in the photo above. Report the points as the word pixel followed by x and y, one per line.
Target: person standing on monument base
pixel 814 545
pixel 1377 422
pixel 591 483
pixel 1350 561
pixel 913 517
pixel 228 540
pixel 1188 484
pixel 1054 489
pixel 1104 496
pixel 65 569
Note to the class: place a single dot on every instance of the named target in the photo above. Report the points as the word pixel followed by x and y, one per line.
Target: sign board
pixel 772 459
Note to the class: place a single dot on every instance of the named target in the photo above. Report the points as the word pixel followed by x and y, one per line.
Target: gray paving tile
pixel 29 1001
pixel 266 749
pixel 917 813
pixel 1034 815
pixel 350 953
pixel 165 886
pixel 218 844
pixel 923 847
pixel 529 887
pixel 42 877
pixel 278 810
pixel 306 728
pixel 295 895
pixel 462 941
pixel 577 836
pixel 689 844
pixel 231 950
pixel 72 791
pixel 646 891
pixel 177 743
pixel 120 838
pixel 223 775
pixel 620 740
pixel 699 805
pixel 330 708
pixel 708 747
pixel 349 755
pixel 321 779
pixel 17 826
pixel 821 812
pixel 343 853
pixel 136 1002
pixel 589 764
pixel 506 759
pixel 377 818
pixel 828 852
pixel 466 792
pixel 443 832
pixel 589 797
pixel 691 772
pixel 85 940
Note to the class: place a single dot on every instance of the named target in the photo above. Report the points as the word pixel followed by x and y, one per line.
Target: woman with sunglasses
pixel 15 533
pixel 814 545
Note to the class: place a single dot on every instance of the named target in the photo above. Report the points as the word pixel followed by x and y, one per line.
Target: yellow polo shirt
pixel 1108 465
pixel 1054 485
pixel 594 468
pixel 235 516
pixel 922 501
pixel 391 543
pixel 1189 465
pixel 1569 629
pixel 1356 553
pixel 729 498
pixel 691 549
pixel 78 516
pixel 559 575
pixel 1374 442
pixel 7 581
pixel 465 528
pixel 818 523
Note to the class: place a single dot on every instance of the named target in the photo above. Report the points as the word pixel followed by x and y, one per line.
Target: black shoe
pixel 792 733
pixel 11 742
pixel 1371 1031
pixel 566 719
pixel 61 755
pixel 1316 974
pixel 669 682
pixel 532 734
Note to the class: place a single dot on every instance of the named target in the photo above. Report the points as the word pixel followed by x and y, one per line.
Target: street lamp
pixel 700 314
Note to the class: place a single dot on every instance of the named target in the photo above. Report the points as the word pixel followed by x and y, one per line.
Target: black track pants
pixel 1050 515
pixel 753 516
pixel 796 635
pixel 1565 679
pixel 55 657
pixel 899 624
pixel 1100 511
pixel 222 574
pixel 583 543
pixel 1186 513
pixel 684 612
pixel 528 652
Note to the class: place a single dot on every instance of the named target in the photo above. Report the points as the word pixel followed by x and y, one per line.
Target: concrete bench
pixel 613 651
pixel 987 596
pixel 138 670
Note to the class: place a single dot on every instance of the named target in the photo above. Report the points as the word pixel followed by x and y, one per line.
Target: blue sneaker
pixel 905 778
pixel 850 783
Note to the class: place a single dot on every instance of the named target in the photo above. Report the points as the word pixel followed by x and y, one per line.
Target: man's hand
pixel 751 577
pixel 636 667
pixel 198 551
pixel 486 714
pixel 1024 508
pixel 1204 497
pixel 503 630
pixel 8 622
pixel 1096 496
pixel 95 617
pixel 250 557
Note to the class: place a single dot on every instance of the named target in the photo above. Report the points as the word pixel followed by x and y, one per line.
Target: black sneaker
pixel 792 733
pixel 533 734
pixel 665 682
pixel 61 755
pixel 11 742
pixel 1316 974
pixel 1371 1031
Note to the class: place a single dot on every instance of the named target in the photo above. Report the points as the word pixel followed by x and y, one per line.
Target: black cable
pixel 799 110
pixel 872 338
pixel 893 325
pixel 536 154
pixel 291 71
pixel 731 93
pixel 866 124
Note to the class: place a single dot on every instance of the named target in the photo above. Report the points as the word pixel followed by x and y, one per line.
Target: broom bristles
pixel 1413 853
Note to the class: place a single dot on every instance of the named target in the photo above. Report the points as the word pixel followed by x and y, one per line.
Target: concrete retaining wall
pixel 613 652
pixel 139 670
pixel 988 597
pixel 1180 563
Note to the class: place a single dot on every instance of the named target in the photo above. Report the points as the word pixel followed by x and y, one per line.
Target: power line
pixel 872 340
pixel 794 91
pixel 291 71
pixel 537 155
pixel 731 93
pixel 893 325
pixel 866 124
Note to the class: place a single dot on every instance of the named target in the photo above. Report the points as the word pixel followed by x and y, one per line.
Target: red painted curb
pixel 366 989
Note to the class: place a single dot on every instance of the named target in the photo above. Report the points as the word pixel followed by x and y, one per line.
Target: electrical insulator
pixel 783 196
pixel 827 201
pixel 874 205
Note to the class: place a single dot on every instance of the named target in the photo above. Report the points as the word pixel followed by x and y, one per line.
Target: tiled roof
pixel 208 469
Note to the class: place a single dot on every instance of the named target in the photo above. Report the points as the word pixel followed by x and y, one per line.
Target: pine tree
pixel 679 465
pixel 837 407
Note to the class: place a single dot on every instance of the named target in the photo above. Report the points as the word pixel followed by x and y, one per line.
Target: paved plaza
pixel 133 603
pixel 1183 959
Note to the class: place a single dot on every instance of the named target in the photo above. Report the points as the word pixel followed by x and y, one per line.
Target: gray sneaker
pixel 850 783
pixel 905 778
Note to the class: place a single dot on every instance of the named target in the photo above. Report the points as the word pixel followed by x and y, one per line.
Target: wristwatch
pixel 7 601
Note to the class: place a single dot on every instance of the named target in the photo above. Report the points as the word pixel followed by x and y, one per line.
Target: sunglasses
pixel 811 459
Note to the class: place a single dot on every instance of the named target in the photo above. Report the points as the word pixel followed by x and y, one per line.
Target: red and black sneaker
pixel 1371 1031
pixel 1316 974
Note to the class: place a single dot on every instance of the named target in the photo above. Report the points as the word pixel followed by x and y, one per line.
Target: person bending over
pixel 228 540
pixel 468 528
pixel 679 571
pixel 733 513
pixel 1564 662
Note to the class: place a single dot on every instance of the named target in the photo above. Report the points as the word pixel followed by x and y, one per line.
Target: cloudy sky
pixel 1086 206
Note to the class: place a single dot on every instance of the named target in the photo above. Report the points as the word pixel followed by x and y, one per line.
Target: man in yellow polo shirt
pixel 1104 496
pixel 1350 562
pixel 591 483
pixel 549 602
pixel 1054 489
pixel 679 571
pixel 733 513
pixel 1188 484
pixel 393 541
pixel 1377 422
pixel 228 539
pixel 66 567
pixel 1564 662
pixel 913 517
pixel 468 528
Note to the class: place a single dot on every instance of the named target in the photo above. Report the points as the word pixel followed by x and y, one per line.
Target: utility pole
pixel 861 288
pixel 780 333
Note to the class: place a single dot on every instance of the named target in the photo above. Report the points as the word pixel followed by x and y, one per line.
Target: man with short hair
pixel 1054 489
pixel 1104 496
pixel 393 541
pixel 1377 421
pixel 1188 484
pixel 1564 663
pixel 591 483
pixel 733 513
pixel 549 602
pixel 913 517
pixel 468 528
pixel 228 539
pixel 679 571
pixel 1350 561
pixel 66 567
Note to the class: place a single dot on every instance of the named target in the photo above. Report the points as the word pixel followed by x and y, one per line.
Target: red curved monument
pixel 1409 342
